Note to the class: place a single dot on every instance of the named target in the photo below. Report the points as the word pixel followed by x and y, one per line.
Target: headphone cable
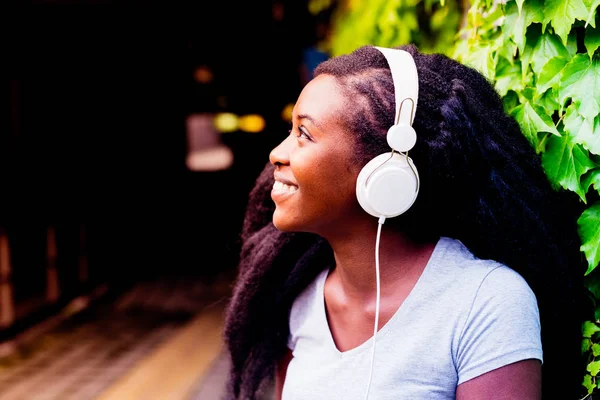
pixel 380 224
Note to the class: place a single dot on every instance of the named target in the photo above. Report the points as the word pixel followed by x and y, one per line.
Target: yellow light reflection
pixel 286 113
pixel 252 123
pixel 227 122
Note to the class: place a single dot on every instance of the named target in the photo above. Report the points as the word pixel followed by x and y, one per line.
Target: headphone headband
pixel 406 82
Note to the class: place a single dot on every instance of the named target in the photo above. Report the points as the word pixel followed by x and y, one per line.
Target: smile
pixel 281 190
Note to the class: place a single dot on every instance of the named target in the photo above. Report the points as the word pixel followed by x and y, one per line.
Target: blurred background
pixel 135 130
pixel 134 133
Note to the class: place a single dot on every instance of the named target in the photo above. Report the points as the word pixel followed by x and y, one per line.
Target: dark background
pixel 98 93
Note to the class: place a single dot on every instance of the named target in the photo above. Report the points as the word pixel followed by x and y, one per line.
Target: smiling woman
pixel 459 281
pixel 318 153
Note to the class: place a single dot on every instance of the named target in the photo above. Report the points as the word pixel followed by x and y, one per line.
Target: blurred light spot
pixel 213 159
pixel 205 152
pixel 203 74
pixel 226 122
pixel 286 113
pixel 278 11
pixel 222 101
pixel 252 123
pixel 316 6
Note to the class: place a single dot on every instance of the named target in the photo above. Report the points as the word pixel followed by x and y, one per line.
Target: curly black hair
pixel 481 183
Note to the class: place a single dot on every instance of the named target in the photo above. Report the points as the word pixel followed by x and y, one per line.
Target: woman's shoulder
pixel 307 309
pixel 307 301
pixel 454 258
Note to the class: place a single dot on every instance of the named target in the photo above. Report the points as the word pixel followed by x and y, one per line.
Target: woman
pixel 476 284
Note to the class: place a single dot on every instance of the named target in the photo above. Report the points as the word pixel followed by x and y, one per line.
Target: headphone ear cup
pixel 387 185
pixel 361 185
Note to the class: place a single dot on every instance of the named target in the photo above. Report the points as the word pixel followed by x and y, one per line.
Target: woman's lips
pixel 282 190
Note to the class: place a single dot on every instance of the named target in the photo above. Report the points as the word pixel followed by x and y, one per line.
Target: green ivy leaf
pixel 548 101
pixel 589 135
pixel 581 130
pixel 572 43
pixel 528 94
pixel 490 19
pixel 589 328
pixel 592 40
pixel 480 58
pixel 532 37
pixel 510 101
pixel 588 383
pixel 592 178
pixel 507 49
pixel 515 23
pixel 562 14
pixel 589 110
pixel 547 47
pixel 461 48
pixel 593 368
pixel 579 79
pixel 508 77
pixel 533 119
pixel 564 162
pixel 551 73
pixel 596 349
pixel 589 232
pixel 592 283
pixel 591 6
pixel 586 344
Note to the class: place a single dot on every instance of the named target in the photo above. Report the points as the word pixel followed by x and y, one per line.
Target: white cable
pixel 381 221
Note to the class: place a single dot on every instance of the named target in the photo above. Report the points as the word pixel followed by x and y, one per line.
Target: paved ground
pixel 212 385
pixel 90 352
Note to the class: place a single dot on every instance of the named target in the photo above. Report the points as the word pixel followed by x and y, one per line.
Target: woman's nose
pixel 280 154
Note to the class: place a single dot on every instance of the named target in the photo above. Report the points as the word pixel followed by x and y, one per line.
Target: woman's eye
pixel 303 134
pixel 300 133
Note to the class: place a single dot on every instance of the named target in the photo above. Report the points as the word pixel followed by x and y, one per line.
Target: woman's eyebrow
pixel 308 117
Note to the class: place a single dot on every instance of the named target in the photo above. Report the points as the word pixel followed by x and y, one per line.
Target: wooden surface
pixel 172 370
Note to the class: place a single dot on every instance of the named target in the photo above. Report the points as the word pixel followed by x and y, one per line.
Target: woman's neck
pixel 400 259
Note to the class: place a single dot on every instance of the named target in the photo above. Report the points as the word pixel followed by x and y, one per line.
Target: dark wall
pixel 98 95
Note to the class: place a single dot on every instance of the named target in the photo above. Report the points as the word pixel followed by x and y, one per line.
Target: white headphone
pixel 388 185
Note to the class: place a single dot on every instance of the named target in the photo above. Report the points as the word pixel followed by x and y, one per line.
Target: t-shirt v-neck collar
pixel 402 310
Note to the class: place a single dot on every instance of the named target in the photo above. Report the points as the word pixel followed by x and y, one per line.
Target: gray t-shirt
pixel 463 318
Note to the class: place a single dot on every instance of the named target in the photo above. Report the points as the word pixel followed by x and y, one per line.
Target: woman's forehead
pixel 321 98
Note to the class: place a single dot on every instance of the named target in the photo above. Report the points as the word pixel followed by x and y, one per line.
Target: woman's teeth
pixel 282 187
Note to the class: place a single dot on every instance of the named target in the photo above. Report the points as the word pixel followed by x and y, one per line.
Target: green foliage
pixel 551 85
pixel 565 162
pixel 431 24
pixel 589 230
pixel 591 347
pixel 544 59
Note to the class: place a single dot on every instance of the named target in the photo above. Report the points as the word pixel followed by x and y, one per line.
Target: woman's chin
pixel 282 223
